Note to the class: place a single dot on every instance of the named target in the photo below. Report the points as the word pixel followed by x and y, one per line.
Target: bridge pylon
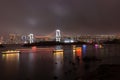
pixel 58 35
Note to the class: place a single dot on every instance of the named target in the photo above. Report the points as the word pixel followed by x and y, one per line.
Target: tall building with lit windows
pixel 1 40
pixel 14 39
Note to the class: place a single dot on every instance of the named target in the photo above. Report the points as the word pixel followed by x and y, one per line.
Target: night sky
pixel 70 16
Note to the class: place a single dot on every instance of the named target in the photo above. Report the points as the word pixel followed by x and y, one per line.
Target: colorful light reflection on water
pixel 84 48
pixel 11 63
pixel 48 64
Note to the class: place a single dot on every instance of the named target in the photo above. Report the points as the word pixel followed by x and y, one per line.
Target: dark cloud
pixel 71 16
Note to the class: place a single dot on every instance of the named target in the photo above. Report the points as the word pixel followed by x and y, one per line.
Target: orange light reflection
pixel 79 53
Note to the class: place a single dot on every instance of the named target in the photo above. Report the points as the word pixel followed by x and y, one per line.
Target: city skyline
pixel 57 36
pixel 72 17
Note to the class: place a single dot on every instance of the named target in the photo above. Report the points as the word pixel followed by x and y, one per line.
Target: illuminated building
pixel 12 38
pixel 1 40
pixel 58 35
pixel 68 41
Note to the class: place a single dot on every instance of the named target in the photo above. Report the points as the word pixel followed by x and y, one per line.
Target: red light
pixel 34 48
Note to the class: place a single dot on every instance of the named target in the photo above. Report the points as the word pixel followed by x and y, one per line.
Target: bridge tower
pixel 24 38
pixel 58 35
pixel 31 38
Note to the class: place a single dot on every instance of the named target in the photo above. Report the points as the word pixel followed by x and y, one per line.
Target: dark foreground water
pixel 44 64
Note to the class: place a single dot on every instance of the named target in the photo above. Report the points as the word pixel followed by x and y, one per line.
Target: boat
pixel 101 46
pixel 60 50
pixel 10 51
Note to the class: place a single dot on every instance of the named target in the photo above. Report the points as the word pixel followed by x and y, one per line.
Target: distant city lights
pixel 58 36
pixel 68 41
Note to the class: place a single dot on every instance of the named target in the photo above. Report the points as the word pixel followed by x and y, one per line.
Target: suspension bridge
pixel 53 35
pixel 57 35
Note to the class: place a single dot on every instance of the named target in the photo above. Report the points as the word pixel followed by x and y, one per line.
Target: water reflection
pixel 44 63
pixel 69 53
pixel 11 63
pixel 73 48
pixel 96 45
pixel 58 59
pixel 79 54
pixel 84 48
